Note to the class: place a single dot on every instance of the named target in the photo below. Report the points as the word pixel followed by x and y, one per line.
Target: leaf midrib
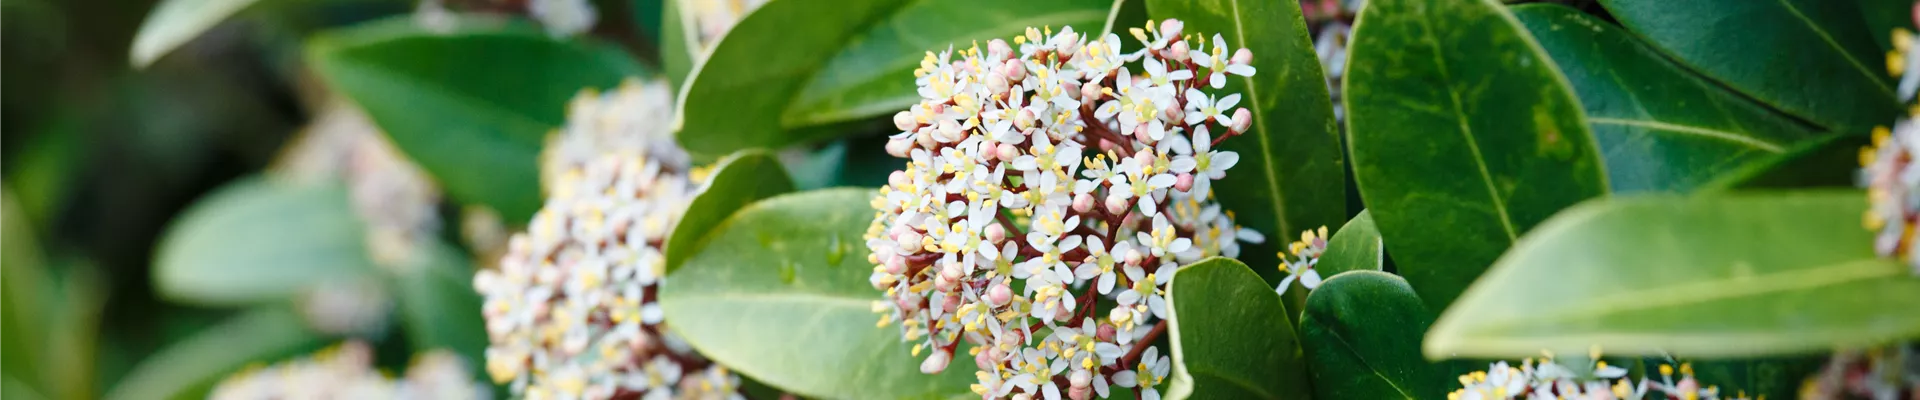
pixel 1844 54
pixel 1701 291
pixel 1720 135
pixel 1466 131
pixel 1348 346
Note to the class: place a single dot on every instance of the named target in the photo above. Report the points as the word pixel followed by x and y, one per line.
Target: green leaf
pixel 191 367
pixel 1882 17
pixel 24 303
pixel 1231 337
pixel 1828 161
pixel 438 306
pixel 1775 378
pixel 1291 174
pixel 1660 128
pixel 1464 135
pixel 257 240
pixel 478 131
pixel 1124 14
pixel 1813 59
pixel 1710 276
pixel 1355 247
pixel 175 22
pixel 801 63
pixel 1361 334
pixel 739 180
pixel 679 46
pixel 780 294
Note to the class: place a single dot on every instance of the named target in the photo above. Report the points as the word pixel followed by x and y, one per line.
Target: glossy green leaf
pixel 1660 128
pixel 1709 276
pixel 1291 173
pixel 678 49
pixel 1828 161
pixel 1882 17
pixel 23 282
pixel 1124 14
pixel 1231 337
pixel 188 369
pixel 801 63
pixel 1355 247
pixel 1464 135
pixel 1813 59
pixel 258 240
pixel 779 293
pixel 741 179
pixel 438 307
pixel 1361 333
pixel 175 22
pixel 477 131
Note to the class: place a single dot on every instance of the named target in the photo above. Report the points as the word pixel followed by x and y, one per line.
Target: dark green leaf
pixel 1660 128
pixel 1231 337
pixel 175 22
pixel 1355 247
pixel 1290 177
pixel 258 240
pixel 478 131
pixel 1828 161
pixel 1361 332
pixel 1124 14
pixel 1463 134
pixel 1882 17
pixel 1710 276
pixel 780 294
pixel 795 64
pixel 190 368
pixel 741 179
pixel 438 306
pixel 1813 59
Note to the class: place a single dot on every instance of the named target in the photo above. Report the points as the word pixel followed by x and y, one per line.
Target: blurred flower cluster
pixel 346 372
pixel 1892 182
pixel 1044 178
pixel 571 311
pixel 1595 380
pixel 1887 373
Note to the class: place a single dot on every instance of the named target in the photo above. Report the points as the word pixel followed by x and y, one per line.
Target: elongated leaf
pixel 779 293
pixel 1463 136
pixel 258 240
pixel 1828 161
pixel 438 307
pixel 1361 335
pixel 1355 247
pixel 1713 276
pixel 741 179
pixel 175 22
pixel 1291 173
pixel 1660 128
pixel 795 64
pixel 1231 337
pixel 188 369
pixel 478 131
pixel 1813 59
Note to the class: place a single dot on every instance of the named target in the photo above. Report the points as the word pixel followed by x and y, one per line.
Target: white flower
pixel 1221 62
pixel 563 17
pixel 1212 164
pixel 1202 108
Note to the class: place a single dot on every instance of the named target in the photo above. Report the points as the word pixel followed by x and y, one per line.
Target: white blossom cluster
pixel 1594 381
pixel 571 310
pixel 1888 173
pixel 346 372
pixel 1887 373
pixel 1043 179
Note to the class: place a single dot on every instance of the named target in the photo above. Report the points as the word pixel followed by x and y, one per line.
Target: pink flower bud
pixel 1082 202
pixel 896 264
pixel 999 48
pixel 899 147
pixel 1072 88
pixel 1171 27
pixel 1243 56
pixel 952 303
pixel 1008 152
pixel 1023 119
pixel 904 121
pixel 1105 333
pixel 898 179
pixel 879 280
pixel 1090 92
pixel 1184 182
pixel 925 138
pixel 908 302
pixel 1242 120
pixel 1117 204
pixel 1069 45
pixel 996 82
pixel 1174 112
pixel 1134 257
pixel 1016 69
pixel 909 242
pixel 999 294
pixel 985 360
pixel 936 362
pixel 1140 133
pixel 996 234
pixel 1178 52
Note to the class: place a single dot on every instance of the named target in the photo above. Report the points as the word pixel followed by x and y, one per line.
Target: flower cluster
pixel 346 372
pixel 571 311
pixel 1306 254
pixel 1594 381
pixel 1892 182
pixel 1044 179
pixel 1888 373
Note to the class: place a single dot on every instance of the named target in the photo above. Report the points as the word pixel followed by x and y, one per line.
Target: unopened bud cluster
pixel 1593 381
pixel 346 372
pixel 571 311
pixel 1043 179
